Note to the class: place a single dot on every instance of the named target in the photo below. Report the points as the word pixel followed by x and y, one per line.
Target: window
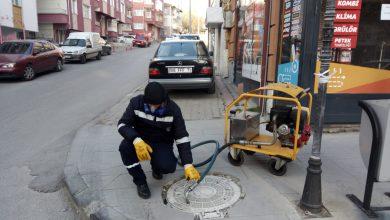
pixel 129 13
pixel 148 2
pixel 112 3
pixel 14 48
pixel 75 42
pixel 148 14
pixel 17 2
pixel 116 4
pixel 122 7
pixel 139 1
pixel 87 11
pixel 182 49
pixel 74 6
pixel 138 12
pixel 38 48
pixel 138 26
pixel 47 47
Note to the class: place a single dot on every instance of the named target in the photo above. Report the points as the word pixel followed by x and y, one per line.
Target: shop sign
pixel 344 42
pixel 349 4
pixel 385 12
pixel 345 56
pixel 347 16
pixel 345 29
pixel 288 72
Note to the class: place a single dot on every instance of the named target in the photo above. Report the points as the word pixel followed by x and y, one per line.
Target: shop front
pixel 361 58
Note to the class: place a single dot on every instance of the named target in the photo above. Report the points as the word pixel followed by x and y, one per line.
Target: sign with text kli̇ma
pixel 346 23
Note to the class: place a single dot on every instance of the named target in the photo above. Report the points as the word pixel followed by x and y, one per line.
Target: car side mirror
pixel 89 46
pixel 60 45
pixel 211 53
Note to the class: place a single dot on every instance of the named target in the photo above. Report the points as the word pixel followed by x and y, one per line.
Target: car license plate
pixel 180 70
pixel 67 57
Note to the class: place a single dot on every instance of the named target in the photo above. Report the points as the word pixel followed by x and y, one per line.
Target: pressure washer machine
pixel 279 131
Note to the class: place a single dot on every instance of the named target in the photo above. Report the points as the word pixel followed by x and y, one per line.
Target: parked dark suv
pixel 183 64
pixel 25 58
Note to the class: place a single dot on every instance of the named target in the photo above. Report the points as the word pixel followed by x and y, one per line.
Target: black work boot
pixel 157 176
pixel 143 191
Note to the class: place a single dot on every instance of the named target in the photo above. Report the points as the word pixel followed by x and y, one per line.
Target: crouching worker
pixel 150 125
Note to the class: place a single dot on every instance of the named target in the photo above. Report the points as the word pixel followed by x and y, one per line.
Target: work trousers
pixel 163 160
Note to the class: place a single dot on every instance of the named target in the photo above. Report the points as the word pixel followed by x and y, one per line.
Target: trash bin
pixel 374 144
pixel 382 111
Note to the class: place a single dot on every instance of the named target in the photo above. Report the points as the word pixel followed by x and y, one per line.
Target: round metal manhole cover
pixel 212 197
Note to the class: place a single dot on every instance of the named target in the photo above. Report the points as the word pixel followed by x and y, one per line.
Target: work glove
pixel 191 173
pixel 142 149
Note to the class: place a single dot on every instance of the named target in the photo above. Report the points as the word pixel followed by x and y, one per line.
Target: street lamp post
pixel 190 26
pixel 311 200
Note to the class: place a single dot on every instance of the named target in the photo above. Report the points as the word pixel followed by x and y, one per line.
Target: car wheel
pixel 109 52
pixel 83 59
pixel 99 56
pixel 28 73
pixel 211 90
pixel 59 65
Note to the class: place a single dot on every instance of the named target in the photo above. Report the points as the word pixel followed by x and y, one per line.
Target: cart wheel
pixel 249 152
pixel 271 167
pixel 236 162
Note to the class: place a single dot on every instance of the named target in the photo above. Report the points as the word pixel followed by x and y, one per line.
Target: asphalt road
pixel 38 120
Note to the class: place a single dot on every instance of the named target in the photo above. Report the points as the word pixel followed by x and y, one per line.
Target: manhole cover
pixel 210 199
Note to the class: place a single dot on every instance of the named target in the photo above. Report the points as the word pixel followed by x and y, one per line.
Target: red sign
pixel 349 4
pixel 347 16
pixel 344 42
pixel 345 29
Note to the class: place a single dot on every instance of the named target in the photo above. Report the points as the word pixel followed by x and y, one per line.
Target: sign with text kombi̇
pixel 346 23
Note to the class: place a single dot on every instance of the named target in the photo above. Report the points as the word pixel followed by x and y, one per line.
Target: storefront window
pixel 251 37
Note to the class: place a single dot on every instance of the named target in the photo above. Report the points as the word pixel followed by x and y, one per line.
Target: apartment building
pixel 18 19
pixel 57 18
pixel 172 17
pixel 148 18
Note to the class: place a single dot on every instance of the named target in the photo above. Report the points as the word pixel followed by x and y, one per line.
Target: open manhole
pixel 210 199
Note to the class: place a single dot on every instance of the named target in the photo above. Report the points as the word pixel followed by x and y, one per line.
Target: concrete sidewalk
pixel 100 184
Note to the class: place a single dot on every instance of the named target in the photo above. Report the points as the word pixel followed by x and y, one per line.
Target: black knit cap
pixel 155 93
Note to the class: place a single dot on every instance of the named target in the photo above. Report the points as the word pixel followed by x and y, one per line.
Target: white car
pixel 126 39
pixel 81 46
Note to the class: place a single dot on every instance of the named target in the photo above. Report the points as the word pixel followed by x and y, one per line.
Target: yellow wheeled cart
pixel 273 120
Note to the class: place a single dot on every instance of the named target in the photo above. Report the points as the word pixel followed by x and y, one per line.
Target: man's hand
pixel 191 173
pixel 142 149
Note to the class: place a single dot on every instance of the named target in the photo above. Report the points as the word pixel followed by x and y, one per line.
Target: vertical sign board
pixel 346 23
pixel 288 69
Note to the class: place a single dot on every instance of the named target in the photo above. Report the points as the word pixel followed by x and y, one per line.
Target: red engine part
pixel 305 136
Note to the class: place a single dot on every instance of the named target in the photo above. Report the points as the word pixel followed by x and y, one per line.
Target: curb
pixel 86 200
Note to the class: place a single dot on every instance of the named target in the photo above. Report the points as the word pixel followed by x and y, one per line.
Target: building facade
pixel 148 18
pixel 110 18
pixel 172 17
pixel 18 19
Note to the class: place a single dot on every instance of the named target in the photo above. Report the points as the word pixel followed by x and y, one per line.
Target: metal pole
pixel 312 193
pixel 381 54
pixel 190 27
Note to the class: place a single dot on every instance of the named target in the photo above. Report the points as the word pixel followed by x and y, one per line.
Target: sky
pixel 198 6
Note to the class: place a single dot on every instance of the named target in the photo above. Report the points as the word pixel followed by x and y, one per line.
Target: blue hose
pixel 210 161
